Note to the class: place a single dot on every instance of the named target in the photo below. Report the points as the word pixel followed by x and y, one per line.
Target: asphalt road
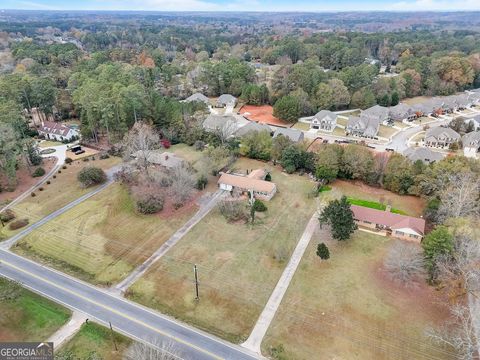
pixel 126 317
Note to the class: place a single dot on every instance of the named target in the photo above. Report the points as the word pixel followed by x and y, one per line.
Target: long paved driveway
pixel 126 317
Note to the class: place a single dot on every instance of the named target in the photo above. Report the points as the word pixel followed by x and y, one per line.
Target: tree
pixel 287 108
pixel 140 142
pixel 257 145
pixel 357 162
pixel 460 198
pixel 341 95
pixel 363 98
pixel 328 162
pixel 437 244
pixel 323 252
pixel 398 175
pixel 183 183
pixel 157 351
pixel 90 176
pixel 404 262
pixel 324 97
pixel 339 216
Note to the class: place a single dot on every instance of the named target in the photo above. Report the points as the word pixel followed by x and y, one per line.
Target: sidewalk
pixel 67 331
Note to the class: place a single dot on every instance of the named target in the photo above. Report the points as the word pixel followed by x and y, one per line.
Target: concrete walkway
pixel 67 331
pixel 175 238
pixel 60 154
pixel 263 323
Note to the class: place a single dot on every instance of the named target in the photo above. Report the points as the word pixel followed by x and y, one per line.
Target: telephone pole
pixel 113 337
pixel 195 273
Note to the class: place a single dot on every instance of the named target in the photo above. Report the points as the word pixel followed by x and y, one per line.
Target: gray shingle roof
pixel 198 97
pixel 471 139
pixel 423 154
pixel 438 131
pixel 215 122
pixel 226 99
pixel 367 125
pixel 252 126
pixel 378 111
pixel 400 111
pixel 325 115
pixel 293 134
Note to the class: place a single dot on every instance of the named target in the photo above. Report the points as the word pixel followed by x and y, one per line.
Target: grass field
pixel 347 308
pixel 386 131
pixel 373 205
pixel 238 264
pixel 29 317
pixel 49 143
pixel 342 121
pixel 94 341
pixel 301 126
pixel 103 238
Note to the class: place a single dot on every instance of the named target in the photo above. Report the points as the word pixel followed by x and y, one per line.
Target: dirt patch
pixel 25 180
pixel 262 114
pixel 88 152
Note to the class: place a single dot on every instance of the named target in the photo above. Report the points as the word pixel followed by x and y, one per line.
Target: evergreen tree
pixel 323 252
pixel 339 216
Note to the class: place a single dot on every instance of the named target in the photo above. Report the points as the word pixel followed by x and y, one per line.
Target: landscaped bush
pixel 68 160
pixel 64 167
pixel 201 182
pixel 149 203
pixel 33 194
pixel 90 176
pixel 48 182
pixel 54 176
pixel 259 206
pixel 7 215
pixel 166 143
pixel 59 171
pixel 233 210
pixel 268 177
pixel 17 224
pixel 38 172
pixel 104 156
pixel 40 189
pixel 199 145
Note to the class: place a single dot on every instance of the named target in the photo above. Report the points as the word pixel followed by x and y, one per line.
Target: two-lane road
pixel 125 316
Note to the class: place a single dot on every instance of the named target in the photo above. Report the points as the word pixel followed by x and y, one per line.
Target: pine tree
pixel 339 216
pixel 323 252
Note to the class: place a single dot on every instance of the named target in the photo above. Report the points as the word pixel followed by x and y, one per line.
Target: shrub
pixel 48 182
pixel 199 145
pixel 59 171
pixel 90 176
pixel 33 194
pixel 258 205
pixel 201 182
pixel 148 202
pixel 40 189
pixel 7 215
pixel 268 177
pixel 64 167
pixel 68 160
pixel 38 172
pixel 233 210
pixel 85 159
pixel 166 143
pixel 323 252
pixel 54 176
pixel 17 224
pixel 104 156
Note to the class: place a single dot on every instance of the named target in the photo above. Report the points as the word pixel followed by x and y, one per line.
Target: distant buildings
pixel 324 120
pixel 198 97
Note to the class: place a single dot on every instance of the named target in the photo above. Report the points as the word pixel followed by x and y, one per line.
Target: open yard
pixel 348 308
pixel 386 131
pixel 301 126
pixel 93 339
pixel 29 317
pixel 103 238
pixel 239 264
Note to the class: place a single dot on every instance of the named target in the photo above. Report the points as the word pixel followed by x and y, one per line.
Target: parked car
pixel 389 149
pixel 75 148
pixel 78 152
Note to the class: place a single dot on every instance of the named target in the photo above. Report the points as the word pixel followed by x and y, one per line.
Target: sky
pixel 245 5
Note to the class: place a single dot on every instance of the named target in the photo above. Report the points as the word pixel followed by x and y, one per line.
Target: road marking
pixel 184 342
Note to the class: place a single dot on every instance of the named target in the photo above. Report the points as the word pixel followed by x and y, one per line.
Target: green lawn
pixel 301 126
pixel 372 205
pixel 49 143
pixel 94 341
pixel 347 308
pixel 29 317
pixel 102 239
pixel 238 264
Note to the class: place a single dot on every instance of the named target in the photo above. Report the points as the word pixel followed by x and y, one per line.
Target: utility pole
pixel 113 337
pixel 195 272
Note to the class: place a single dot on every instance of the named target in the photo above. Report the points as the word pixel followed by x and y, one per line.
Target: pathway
pixel 263 323
pixel 174 239
pixel 67 331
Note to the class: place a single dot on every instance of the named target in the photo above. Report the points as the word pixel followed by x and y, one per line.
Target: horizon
pixel 280 6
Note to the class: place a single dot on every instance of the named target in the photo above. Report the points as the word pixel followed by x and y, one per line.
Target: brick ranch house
pixel 390 224
pixel 255 182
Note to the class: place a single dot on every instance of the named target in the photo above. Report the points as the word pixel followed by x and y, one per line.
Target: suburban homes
pixel 425 155
pixel 476 122
pixel 252 126
pixel 223 123
pixel 293 134
pixel 324 120
pixel 226 100
pixel 254 182
pixel 161 158
pixel 379 113
pixel 198 97
pixel 402 112
pixel 471 144
pixel 363 126
pixel 57 131
pixel 389 224
pixel 441 137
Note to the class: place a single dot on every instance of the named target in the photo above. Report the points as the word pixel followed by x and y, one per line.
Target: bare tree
pixel 159 351
pixel 404 262
pixel 226 130
pixel 183 184
pixel 458 333
pixel 460 198
pixel 139 142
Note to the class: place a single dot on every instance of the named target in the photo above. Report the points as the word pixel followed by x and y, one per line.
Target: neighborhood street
pixel 126 317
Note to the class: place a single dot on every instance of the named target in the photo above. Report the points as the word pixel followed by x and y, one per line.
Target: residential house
pixel 215 123
pixel 471 144
pixel 441 137
pixel 198 97
pixel 363 126
pixel 390 224
pixel 293 134
pixel 425 155
pixel 226 100
pixel 57 131
pixel 378 112
pixel 161 158
pixel 251 127
pixel 422 110
pixel 254 182
pixel 476 122
pixel 324 120
pixel 402 112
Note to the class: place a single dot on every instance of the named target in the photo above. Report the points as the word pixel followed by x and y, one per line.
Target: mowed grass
pixel 348 308
pixel 239 264
pixel 29 317
pixel 95 340
pixel 102 239
pixel 373 205
pixel 387 131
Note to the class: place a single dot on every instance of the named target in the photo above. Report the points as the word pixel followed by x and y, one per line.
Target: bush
pixel 18 224
pixel 268 177
pixel 166 143
pixel 33 194
pixel 7 215
pixel 54 176
pixel 85 159
pixel 233 210
pixel 38 172
pixel 48 182
pixel 59 172
pixel 68 160
pixel 323 252
pixel 40 189
pixel 199 145
pixel 149 202
pixel 202 181
pixel 64 167
pixel 258 205
pixel 104 156
pixel 90 176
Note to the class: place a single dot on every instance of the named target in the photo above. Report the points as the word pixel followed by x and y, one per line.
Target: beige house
pixel 254 182
pixel 390 224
